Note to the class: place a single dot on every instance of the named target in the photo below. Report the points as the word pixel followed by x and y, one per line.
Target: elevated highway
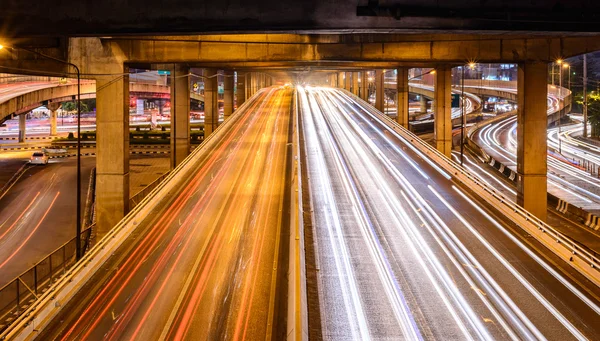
pixel 17 98
pixel 200 257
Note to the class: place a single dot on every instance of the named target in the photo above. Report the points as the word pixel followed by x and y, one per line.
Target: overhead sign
pixel 164 72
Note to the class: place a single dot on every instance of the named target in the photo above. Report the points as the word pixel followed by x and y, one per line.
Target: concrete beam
pixel 211 104
pixel 402 93
pixel 416 49
pixel 532 92
pixel 227 93
pixel 180 114
pixel 442 130
pixel 112 148
pixel 379 89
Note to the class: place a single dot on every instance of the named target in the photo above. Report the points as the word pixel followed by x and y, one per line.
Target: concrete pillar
pixel 355 83
pixel 423 102
pixel 211 108
pixel 532 92
pixel 442 130
pixel 112 149
pixel 364 86
pixel 240 94
pixel 22 126
pixel 402 100
pixel 180 115
pixel 53 107
pixel 379 89
pixel 227 94
pixel 348 81
pixel 340 80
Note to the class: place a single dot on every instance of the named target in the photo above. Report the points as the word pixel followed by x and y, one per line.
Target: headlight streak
pixel 481 170
pixel 407 143
pixel 358 324
pixel 501 299
pixel 535 257
pixel 512 270
pixel 393 291
pixel 495 129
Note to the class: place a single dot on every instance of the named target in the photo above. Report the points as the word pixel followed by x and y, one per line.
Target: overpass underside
pixel 260 60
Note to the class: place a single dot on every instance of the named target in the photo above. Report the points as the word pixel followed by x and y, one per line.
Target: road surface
pixel 403 252
pixel 205 265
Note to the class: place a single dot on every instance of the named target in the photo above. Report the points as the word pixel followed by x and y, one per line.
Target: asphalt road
pixel 404 252
pixel 205 265
pixel 37 215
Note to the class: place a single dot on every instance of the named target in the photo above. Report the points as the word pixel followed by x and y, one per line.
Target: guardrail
pixel 20 293
pixel 41 312
pixel 297 326
pixel 577 256
pixel 139 196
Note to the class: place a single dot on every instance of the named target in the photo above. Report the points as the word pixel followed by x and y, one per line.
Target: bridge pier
pixel 180 115
pixel 112 149
pixel 211 103
pixel 423 103
pixel 53 107
pixel 227 94
pixel 379 89
pixel 532 94
pixel 348 81
pixel 22 127
pixel 240 93
pixel 340 80
pixel 355 83
pixel 443 110
pixel 364 86
pixel 402 100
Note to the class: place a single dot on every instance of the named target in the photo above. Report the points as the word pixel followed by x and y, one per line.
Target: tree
pixel 72 106
pixel 594 112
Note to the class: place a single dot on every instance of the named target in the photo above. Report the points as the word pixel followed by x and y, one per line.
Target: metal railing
pixel 139 196
pixel 17 295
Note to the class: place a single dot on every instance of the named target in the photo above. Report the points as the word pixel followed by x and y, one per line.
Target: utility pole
pixel 585 117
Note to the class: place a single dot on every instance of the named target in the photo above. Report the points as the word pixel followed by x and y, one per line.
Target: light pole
pixel 78 251
pixel 560 63
pixel 463 111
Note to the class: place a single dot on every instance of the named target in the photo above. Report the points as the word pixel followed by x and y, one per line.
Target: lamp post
pixel 78 251
pixel 561 110
pixel 463 111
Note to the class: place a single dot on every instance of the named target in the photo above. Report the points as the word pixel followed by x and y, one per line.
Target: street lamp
pixel 471 66
pixel 78 251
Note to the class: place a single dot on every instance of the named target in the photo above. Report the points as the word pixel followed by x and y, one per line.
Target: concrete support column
pixel 364 86
pixel 180 115
pixel 240 94
pixel 340 80
pixel 379 89
pixel 211 104
pixel 402 100
pixel 53 107
pixel 532 92
pixel 442 130
pixel 112 149
pixel 348 81
pixel 423 102
pixel 22 126
pixel 227 94
pixel 355 83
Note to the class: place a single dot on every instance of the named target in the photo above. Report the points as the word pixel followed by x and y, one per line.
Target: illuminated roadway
pixel 565 180
pixel 203 266
pixel 403 252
